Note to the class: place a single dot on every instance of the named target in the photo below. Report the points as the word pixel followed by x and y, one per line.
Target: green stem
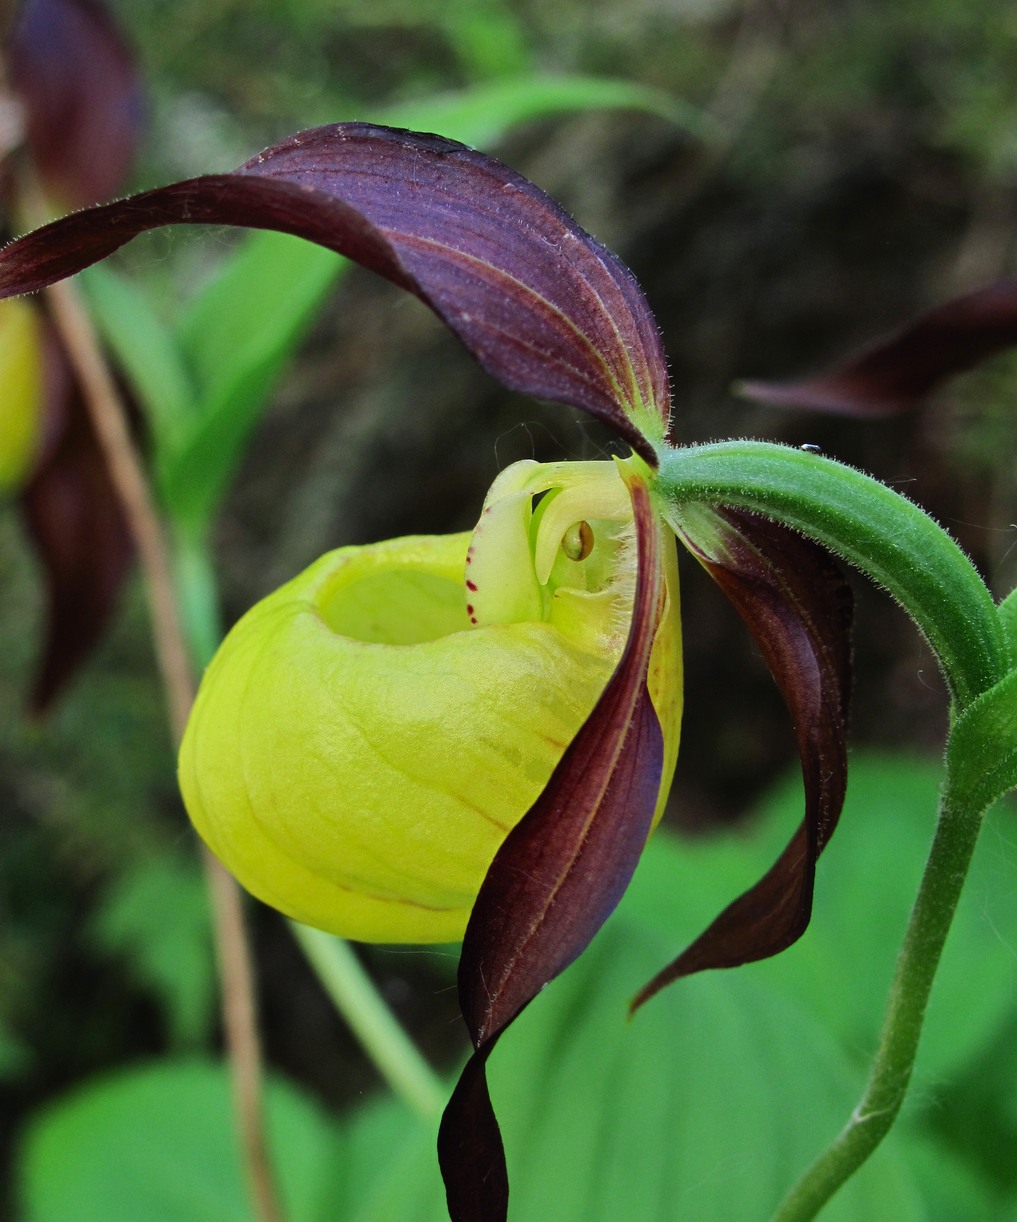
pixel 945 872
pixel 902 549
pixel 864 522
pixel 198 595
pixel 357 1000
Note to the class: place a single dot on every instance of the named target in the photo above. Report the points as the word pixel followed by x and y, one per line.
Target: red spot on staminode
pixel 471 586
pixel 473 619
pixel 469 608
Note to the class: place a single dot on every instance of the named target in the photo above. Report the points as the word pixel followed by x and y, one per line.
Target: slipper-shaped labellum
pixel 368 734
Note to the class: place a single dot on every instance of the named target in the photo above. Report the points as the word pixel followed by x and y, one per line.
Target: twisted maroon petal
pixel 556 878
pixel 77 527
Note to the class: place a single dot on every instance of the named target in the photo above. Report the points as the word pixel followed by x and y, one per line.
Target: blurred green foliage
pixel 704 1106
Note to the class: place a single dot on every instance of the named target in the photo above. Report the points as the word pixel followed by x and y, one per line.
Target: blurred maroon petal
pixel 899 372
pixel 554 881
pixel 798 607
pixel 541 305
pixel 74 518
pixel 80 87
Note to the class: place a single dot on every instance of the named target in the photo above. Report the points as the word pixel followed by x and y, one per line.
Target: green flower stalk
pixel 474 735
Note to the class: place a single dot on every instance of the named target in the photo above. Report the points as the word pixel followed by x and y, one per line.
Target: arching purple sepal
pixel 556 878
pixel 538 302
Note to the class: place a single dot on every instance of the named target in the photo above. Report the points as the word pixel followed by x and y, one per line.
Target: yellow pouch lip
pixel 291 710
pixel 357 770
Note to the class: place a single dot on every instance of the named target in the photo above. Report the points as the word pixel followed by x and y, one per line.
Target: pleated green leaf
pixel 159 1143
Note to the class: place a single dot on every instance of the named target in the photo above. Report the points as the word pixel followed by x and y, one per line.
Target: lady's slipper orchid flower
pixel 480 730
pixel 406 703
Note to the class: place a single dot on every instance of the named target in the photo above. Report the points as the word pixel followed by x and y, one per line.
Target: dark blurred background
pixel 861 168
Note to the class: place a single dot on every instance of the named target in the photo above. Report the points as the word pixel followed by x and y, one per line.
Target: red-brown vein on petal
pixel 376 195
pixel 556 878
pixel 897 372
pixel 797 604
pixel 589 345
pixel 546 225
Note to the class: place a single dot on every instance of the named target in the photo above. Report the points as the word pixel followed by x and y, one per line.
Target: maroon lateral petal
pixel 538 302
pixel 74 518
pixel 798 606
pixel 556 878
pixel 81 91
pixel 898 372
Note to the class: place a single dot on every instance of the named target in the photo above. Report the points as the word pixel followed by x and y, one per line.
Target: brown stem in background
pixel 127 473
pixel 109 419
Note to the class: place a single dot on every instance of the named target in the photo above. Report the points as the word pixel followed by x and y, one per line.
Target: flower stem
pixel 372 1022
pixel 889 538
pixel 945 872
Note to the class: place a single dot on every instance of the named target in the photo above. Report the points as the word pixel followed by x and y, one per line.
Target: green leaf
pixel 705 1106
pixel 237 337
pixel 145 351
pixel 952 1188
pixel 482 115
pixel 155 916
pixel 866 883
pixel 158 1143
